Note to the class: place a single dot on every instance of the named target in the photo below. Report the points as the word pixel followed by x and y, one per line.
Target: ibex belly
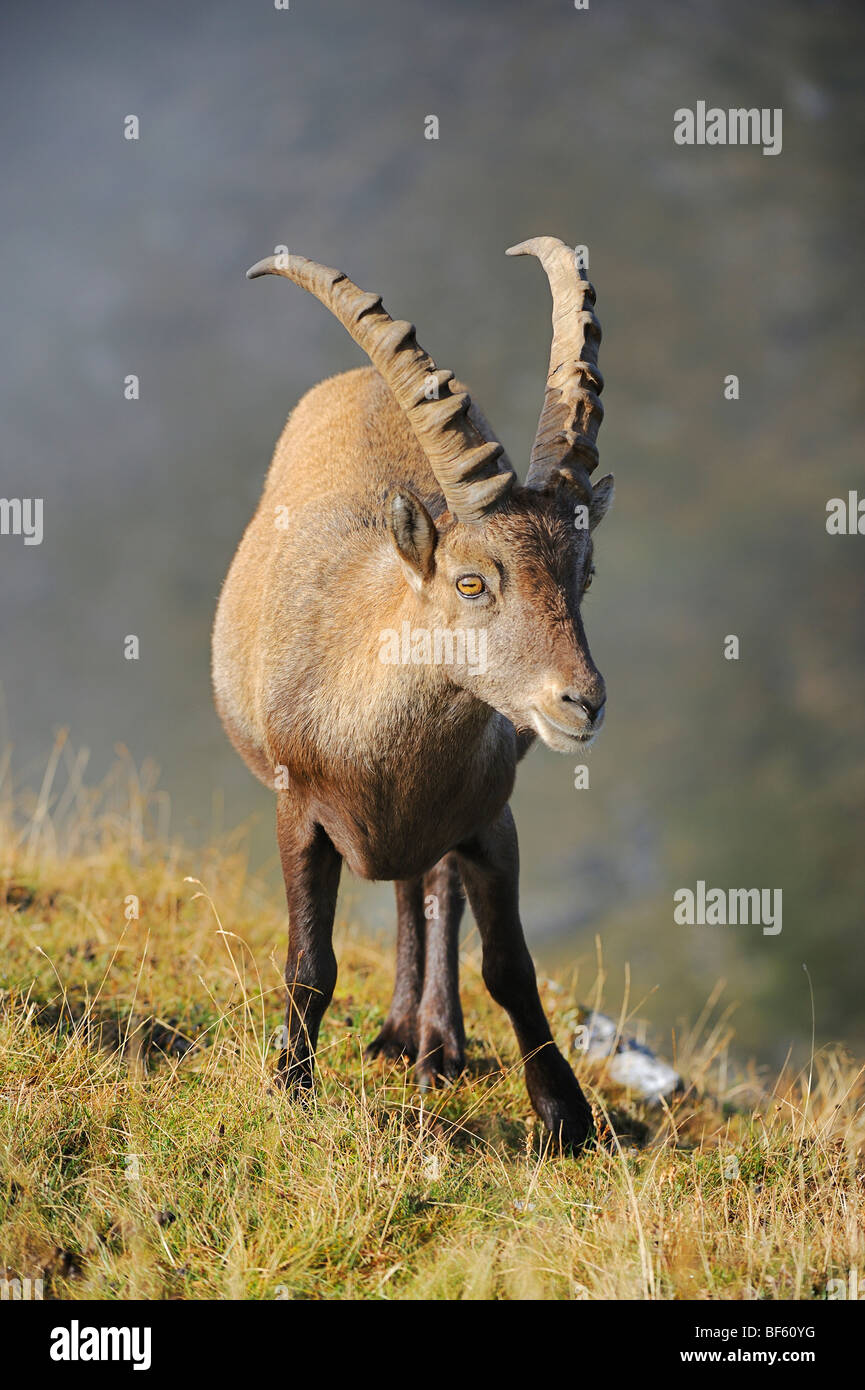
pixel 413 819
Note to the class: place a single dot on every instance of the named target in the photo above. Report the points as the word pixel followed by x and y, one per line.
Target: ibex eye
pixel 471 585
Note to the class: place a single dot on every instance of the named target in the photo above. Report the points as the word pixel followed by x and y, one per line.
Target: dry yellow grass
pixel 144 1151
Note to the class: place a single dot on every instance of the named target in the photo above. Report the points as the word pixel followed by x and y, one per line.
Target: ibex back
pixel 400 622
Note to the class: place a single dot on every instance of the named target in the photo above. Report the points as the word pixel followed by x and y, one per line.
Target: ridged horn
pixel 470 470
pixel 571 414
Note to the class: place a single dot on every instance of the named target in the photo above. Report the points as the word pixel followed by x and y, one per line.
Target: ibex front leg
pixel 311 868
pixel 490 870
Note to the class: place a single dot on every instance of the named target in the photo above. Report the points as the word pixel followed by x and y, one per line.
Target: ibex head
pixel 509 561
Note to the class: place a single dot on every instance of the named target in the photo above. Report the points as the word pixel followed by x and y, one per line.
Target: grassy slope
pixel 134 1164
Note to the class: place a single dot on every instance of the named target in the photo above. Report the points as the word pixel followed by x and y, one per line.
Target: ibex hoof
pixel 441 1059
pixel 295 1079
pixel 572 1134
pixel 396 1039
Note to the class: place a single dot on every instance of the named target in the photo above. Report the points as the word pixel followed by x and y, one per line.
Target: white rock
pixel 632 1064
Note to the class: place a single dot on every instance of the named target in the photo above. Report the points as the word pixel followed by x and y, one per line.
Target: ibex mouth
pixel 563 738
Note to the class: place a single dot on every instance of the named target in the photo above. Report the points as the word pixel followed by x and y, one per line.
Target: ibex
pixel 390 508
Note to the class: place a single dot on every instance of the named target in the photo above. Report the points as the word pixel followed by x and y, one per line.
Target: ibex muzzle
pixel 400 621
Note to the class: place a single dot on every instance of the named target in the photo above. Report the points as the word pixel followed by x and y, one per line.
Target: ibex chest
pixel 402 820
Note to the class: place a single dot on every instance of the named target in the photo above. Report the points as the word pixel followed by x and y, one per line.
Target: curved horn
pixel 465 463
pixel 572 413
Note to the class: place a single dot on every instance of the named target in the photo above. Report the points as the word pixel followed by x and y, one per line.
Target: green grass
pixel 145 1152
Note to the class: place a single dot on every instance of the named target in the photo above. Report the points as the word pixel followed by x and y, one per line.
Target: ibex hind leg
pixel 311 868
pixel 441 1053
pixel 489 864
pixel 424 1021
pixel 399 1033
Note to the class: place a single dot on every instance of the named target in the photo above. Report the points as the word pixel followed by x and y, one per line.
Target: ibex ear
pixel 602 499
pixel 414 536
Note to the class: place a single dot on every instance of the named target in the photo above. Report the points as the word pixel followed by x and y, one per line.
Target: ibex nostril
pixel 592 711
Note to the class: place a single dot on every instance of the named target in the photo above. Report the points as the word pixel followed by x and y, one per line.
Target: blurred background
pixel 261 127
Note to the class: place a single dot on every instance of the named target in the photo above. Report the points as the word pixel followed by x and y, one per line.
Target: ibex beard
pixel 404 509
